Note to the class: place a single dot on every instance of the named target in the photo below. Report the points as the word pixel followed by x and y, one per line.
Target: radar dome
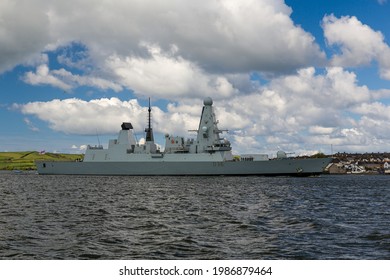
pixel 208 101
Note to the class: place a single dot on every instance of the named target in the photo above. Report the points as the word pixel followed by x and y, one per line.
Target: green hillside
pixel 25 160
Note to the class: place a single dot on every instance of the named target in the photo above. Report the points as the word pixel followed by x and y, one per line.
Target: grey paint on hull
pixel 298 167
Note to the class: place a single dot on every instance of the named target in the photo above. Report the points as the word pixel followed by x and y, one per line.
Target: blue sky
pixel 296 75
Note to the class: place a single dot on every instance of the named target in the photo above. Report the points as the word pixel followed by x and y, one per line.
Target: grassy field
pixel 25 160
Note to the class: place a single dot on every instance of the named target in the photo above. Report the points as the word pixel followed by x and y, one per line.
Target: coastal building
pixel 337 168
pixel 354 163
pixel 386 167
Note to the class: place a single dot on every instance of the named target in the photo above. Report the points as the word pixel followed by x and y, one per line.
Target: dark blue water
pixel 82 217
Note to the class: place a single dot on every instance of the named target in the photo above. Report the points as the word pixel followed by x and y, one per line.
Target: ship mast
pixel 149 131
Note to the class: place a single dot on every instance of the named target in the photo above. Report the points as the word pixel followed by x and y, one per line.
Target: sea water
pixel 105 217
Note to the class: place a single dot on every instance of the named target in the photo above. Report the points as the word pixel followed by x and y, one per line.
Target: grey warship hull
pixel 277 167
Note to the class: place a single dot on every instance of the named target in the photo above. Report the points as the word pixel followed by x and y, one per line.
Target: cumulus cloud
pixel 375 110
pixel 42 76
pixel 163 75
pixel 80 148
pixel 24 32
pixel 104 115
pixel 84 117
pixel 259 35
pixel 320 130
pixel 306 111
pixel 162 49
pixel 304 99
pixel 297 112
pixel 244 30
pixel 65 80
pixel 359 44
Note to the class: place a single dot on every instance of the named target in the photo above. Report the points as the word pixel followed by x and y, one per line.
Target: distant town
pixel 355 163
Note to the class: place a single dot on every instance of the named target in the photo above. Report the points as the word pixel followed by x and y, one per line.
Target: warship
pixel 207 154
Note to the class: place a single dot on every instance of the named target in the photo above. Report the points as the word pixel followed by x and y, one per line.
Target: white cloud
pixel 104 116
pixel 164 75
pixel 208 33
pixel 77 80
pixel 80 148
pixel 30 124
pixel 375 119
pixel 170 50
pixel 308 110
pixel 258 34
pixel 65 80
pixel 287 103
pixel 184 51
pixel 359 44
pixel 375 110
pixel 316 129
pixel 43 76
pixel 296 112
pixel 24 32
pixel 84 117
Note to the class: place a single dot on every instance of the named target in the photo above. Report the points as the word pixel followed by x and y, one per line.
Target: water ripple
pixel 82 217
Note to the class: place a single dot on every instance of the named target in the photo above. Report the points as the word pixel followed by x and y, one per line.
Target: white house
pixel 386 166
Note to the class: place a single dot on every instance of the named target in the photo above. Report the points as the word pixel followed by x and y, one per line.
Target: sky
pixel 301 76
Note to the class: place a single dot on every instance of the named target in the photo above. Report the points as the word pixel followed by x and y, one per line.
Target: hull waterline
pixel 290 167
